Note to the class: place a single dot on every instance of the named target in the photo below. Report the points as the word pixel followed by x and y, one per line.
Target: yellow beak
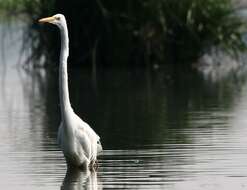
pixel 47 19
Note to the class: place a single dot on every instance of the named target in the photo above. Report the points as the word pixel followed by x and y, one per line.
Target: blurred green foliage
pixel 136 32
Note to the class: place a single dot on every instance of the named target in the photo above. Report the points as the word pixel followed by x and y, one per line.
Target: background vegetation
pixel 109 32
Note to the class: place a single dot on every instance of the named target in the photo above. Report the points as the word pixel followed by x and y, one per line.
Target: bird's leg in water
pixel 94 166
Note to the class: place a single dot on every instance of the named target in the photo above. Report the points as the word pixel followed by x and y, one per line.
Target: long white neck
pixel 63 74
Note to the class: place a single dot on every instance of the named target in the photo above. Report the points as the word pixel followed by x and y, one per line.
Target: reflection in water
pixel 218 65
pixel 162 129
pixel 81 180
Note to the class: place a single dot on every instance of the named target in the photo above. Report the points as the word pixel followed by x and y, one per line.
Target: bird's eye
pixel 58 18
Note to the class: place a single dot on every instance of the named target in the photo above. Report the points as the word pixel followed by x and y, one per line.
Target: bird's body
pixel 78 141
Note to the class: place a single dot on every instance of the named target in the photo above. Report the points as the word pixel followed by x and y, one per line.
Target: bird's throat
pixel 63 73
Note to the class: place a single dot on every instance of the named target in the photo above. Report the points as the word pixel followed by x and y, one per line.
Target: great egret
pixel 78 141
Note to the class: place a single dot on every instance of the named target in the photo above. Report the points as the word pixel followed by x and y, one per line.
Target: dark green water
pixel 170 128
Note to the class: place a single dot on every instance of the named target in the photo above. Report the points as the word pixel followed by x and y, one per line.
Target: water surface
pixel 170 128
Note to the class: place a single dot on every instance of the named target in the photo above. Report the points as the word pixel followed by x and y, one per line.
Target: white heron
pixel 78 141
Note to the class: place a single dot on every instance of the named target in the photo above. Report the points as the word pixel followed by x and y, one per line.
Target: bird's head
pixel 58 20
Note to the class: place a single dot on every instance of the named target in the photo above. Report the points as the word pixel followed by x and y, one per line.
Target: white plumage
pixel 78 141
